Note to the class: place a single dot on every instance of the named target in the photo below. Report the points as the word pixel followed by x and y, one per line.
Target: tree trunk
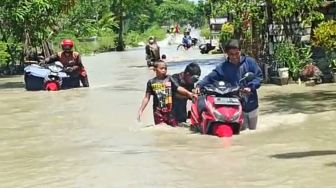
pixel 120 42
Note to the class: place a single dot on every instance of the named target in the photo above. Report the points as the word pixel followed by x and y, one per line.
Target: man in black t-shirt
pixel 187 80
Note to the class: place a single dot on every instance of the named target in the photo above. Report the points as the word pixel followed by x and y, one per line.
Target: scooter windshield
pixel 220 89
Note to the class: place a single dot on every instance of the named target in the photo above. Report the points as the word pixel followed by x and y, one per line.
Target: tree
pixel 177 10
pixel 28 23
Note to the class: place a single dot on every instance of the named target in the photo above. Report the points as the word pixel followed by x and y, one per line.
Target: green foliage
pixel 284 9
pixel 35 18
pixel 134 37
pixel 106 40
pixel 156 31
pixel 89 17
pixel 3 54
pixel 288 55
pixel 176 10
pixel 205 32
pixel 227 31
pixel 33 21
pixel 325 35
pixel 240 10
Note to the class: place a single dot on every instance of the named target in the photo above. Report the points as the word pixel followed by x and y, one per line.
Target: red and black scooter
pixel 218 109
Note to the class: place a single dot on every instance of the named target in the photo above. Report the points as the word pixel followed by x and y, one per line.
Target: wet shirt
pixel 180 104
pixel 162 91
pixel 153 51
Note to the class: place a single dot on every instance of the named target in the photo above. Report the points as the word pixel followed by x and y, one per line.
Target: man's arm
pixel 145 100
pixel 144 103
pixel 185 92
pixel 147 50
pixel 78 63
pixel 181 91
pixel 178 95
pixel 215 75
pixel 256 82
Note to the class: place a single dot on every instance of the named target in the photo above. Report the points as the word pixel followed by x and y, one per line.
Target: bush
pixel 325 35
pixel 103 43
pixel 226 32
pixel 205 32
pixel 133 37
pixel 3 54
pixel 157 31
pixel 295 58
pixel 106 40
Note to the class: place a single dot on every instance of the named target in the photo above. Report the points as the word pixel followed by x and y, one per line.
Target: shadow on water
pixel 11 85
pixel 138 66
pixel 332 164
pixel 316 101
pixel 304 154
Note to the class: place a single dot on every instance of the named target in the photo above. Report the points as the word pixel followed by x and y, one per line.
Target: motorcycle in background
pixel 50 77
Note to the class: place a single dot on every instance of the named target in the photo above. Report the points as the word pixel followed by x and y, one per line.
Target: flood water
pixel 89 137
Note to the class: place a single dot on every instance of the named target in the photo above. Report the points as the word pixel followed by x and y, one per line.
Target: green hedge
pixel 133 38
pixel 205 32
pixel 3 54
pixel 104 42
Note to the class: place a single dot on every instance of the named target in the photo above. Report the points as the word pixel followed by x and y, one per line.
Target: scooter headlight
pixel 219 116
pixel 235 117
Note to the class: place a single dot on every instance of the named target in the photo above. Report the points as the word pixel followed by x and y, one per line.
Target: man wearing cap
pixel 231 71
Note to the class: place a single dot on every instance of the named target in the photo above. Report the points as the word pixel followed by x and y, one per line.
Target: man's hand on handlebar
pixel 197 90
pixel 192 96
pixel 246 90
pixel 69 69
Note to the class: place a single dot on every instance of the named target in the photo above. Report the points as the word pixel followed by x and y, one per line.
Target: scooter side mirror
pixel 58 64
pixel 249 76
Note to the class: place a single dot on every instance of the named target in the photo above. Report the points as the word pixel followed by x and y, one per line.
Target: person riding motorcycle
pixel 152 51
pixel 187 40
pixel 71 61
